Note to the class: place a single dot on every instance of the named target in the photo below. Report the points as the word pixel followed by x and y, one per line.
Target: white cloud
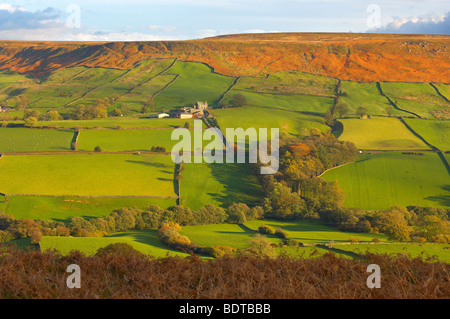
pixel 430 24
pixel 206 33
pixel 10 8
pixel 113 36
pixel 15 18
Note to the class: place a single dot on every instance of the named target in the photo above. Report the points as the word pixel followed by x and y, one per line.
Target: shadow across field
pixel 444 199
pixel 340 251
pixel 240 185
pixel 149 237
pixel 147 163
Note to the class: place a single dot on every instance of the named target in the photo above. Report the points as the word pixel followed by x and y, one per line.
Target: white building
pixel 185 115
pixel 162 115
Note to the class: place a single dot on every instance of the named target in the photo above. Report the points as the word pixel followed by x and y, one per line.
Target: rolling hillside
pixel 357 57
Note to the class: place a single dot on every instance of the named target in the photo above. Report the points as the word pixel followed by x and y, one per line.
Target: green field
pixel 237 236
pixel 123 122
pixel 223 234
pixel 11 84
pixel 137 97
pixel 424 251
pixel 196 82
pixel 125 140
pixel 27 140
pixel 379 181
pixel 303 103
pixel 313 231
pixel 444 89
pixel 219 185
pixel 419 98
pixel 51 95
pixel 437 133
pixel 144 241
pixel 87 175
pixel 256 117
pixel 367 95
pixel 129 81
pixel 380 134
pixel 291 82
pixel 65 208
pixel 3 203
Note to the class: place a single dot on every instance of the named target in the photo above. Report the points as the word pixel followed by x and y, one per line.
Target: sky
pixel 139 20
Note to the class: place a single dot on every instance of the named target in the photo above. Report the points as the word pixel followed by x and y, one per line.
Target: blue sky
pixel 130 20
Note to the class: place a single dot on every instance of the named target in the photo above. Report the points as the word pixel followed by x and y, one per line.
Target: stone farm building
pixel 196 111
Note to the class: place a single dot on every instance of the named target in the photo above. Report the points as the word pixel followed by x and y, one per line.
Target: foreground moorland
pixel 224 278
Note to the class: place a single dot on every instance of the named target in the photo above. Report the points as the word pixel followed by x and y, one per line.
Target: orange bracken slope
pixel 357 57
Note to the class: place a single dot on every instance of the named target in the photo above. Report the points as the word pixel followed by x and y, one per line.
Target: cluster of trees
pixel 296 191
pixel 160 149
pixel 169 234
pixel 238 100
pixel 83 112
pixel 31 117
pixel 11 228
pixel 124 219
pixel 97 110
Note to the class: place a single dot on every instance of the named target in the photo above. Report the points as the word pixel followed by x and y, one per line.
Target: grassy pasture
pixel 136 98
pixel 196 82
pixel 437 133
pixel 65 208
pixel 256 117
pixel 3 203
pixel 444 89
pixel 291 82
pixel 26 140
pixel 144 241
pixel 303 103
pixel 306 231
pixel 125 84
pixel 365 95
pixel 379 181
pixel 419 98
pixel 222 234
pixel 54 95
pixel 64 75
pixel 125 140
pixel 123 122
pixel 380 134
pixel 13 85
pixel 219 185
pixel 312 231
pixel 87 175
pixel 424 251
